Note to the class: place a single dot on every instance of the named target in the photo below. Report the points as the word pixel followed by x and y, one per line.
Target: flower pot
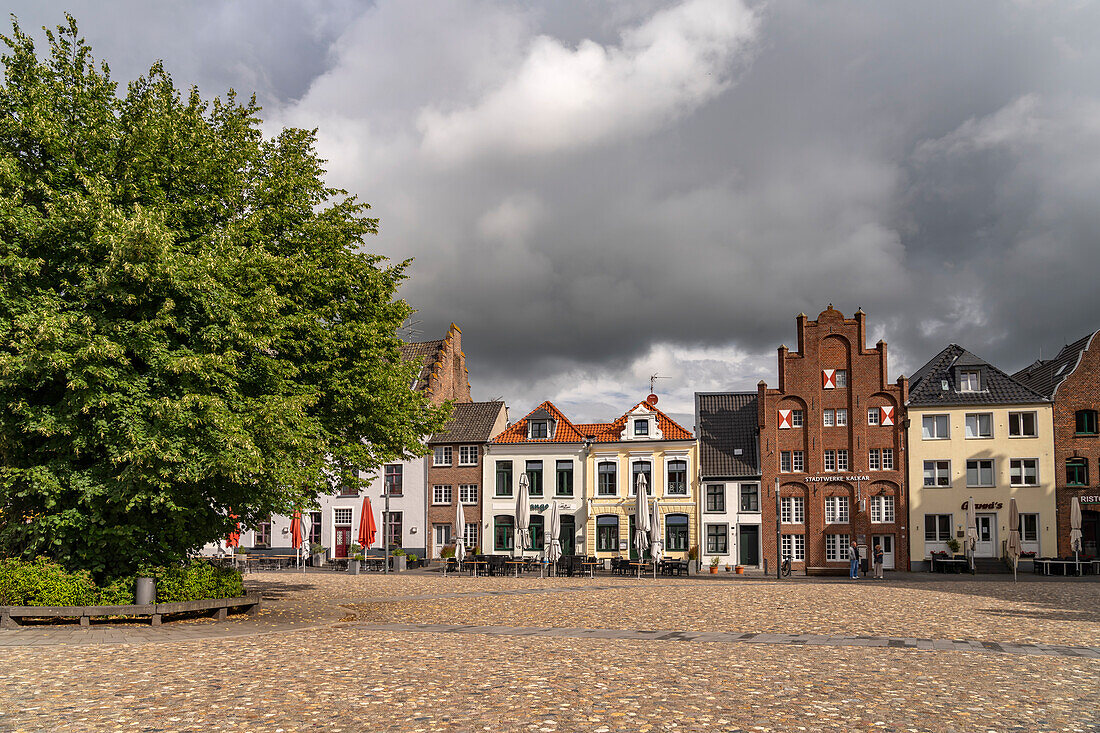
pixel 400 562
pixel 714 570
pixel 740 569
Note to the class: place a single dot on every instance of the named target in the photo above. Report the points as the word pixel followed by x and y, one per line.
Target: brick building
pixel 832 438
pixel 1072 380
pixel 455 471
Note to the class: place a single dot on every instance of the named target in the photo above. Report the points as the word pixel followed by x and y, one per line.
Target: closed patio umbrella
pixel 296 534
pixel 460 529
pixel 553 553
pixel 367 527
pixel 641 520
pixel 971 531
pixel 1075 530
pixel 655 540
pixel 1013 536
pixel 234 538
pixel 523 513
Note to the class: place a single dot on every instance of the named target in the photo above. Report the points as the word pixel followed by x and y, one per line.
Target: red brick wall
pixel 454 475
pixel 449 378
pixel 833 342
pixel 1079 391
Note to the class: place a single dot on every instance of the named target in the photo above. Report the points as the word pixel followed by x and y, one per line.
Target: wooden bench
pixel 826 571
pixel 219 608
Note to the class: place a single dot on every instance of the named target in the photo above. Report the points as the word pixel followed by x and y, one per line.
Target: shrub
pixel 194 581
pixel 44 583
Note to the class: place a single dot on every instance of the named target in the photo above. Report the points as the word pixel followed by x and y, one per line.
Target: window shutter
pixel 886 415
pixel 828 378
pixel 784 419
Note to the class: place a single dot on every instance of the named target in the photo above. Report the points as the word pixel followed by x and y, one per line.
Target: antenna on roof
pixel 652 398
pixel 408 329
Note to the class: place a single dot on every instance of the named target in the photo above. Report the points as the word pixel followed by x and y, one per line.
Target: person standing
pixel 877 558
pixel 853 559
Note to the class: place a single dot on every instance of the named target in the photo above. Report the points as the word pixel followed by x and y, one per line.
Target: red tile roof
pixel 567 432
pixel 564 431
pixel 670 429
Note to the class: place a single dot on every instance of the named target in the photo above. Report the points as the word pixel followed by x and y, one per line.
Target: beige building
pixel 975 433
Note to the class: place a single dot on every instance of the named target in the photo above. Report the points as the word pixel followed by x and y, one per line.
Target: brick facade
pixel 453 476
pixel 829 343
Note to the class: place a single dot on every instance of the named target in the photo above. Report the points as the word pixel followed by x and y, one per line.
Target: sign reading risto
pixel 1090 499
pixel 834 477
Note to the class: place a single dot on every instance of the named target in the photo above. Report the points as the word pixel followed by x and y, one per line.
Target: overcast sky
pixel 600 191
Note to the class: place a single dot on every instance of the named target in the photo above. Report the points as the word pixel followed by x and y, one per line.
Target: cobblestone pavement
pixel 332 652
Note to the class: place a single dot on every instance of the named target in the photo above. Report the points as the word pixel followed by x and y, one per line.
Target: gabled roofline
pixel 1080 356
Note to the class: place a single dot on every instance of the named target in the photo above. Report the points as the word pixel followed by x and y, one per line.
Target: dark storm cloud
pixel 599 192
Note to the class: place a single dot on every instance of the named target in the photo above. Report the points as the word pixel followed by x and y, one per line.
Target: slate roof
pixel 427 353
pixel 471 422
pixel 996 387
pixel 1045 376
pixel 727 421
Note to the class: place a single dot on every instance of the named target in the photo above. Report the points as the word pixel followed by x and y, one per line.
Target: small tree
pixel 188 328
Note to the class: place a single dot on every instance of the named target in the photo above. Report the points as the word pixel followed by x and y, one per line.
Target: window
pixel 677 477
pixel 394 533
pixel 263 534
pixel 841 378
pixel 796 418
pixel 641 427
pixel 830 460
pixel 641 468
pixel 537 531
pixel 504 533
pixel 1029 527
pixel 1021 425
pixel 563 478
pixel 750 497
pixel 979 425
pixel 717 539
pixel 341 516
pixel 469 536
pixel 842 459
pixel 873 461
pixel 315 528
pixel 828 418
pixel 607 533
pixel 785 461
pixel 872 416
pixel 836 547
pixel 794 547
pixel 937 527
pixel 676 532
pixel 792 509
pixel 1086 422
pixel 1024 471
pixel 467 493
pixel 538 429
pixel 979 472
pixel 969 380
pixel 392 479
pixel 606 479
pixel 887 459
pixel 348 488
pixel 934 427
pixel 442 455
pixel 836 510
pixel 534 477
pixel 882 509
pixel 441 494
pixel 504 478
pixel 1077 471
pixel 841 417
pixel 798 462
pixel 937 473
pixel 467 455
pixel 716 498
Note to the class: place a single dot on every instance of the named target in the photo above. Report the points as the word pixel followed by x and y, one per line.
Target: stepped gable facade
pixel 443 374
pixel 832 439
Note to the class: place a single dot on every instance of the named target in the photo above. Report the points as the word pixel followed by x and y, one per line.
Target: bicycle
pixel 785 567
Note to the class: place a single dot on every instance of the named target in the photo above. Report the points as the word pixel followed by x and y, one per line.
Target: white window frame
pixel 939 539
pixel 872 415
pixel 841 378
pixel 794 547
pixel 1019 420
pixel 837 547
pixel 837 510
pixel 1012 467
pixel 887 459
pixel 1025 531
pixel 873 461
pixel 798 461
pixel 470 536
pixel 341 516
pixel 442 494
pixel 970 380
pixel 785 461
pixel 978 468
pixel 883 509
pixel 792 510
pixel 828 417
pixel 937 474
pixel 531 430
pixel 667 463
pixel 842 459
pixel 797 418
pixel 841 417
pixel 467 493
pixel 464 452
pixel 972 427
pixel 934 421
pixel 829 460
pixel 442 455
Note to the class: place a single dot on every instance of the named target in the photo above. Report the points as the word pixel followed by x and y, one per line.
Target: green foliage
pixel 43 582
pixel 397 551
pixel 196 581
pixel 188 328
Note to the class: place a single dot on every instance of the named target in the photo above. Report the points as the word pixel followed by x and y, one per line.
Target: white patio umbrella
pixel 971 531
pixel 655 541
pixel 1075 530
pixel 523 513
pixel 1013 536
pixel 553 553
pixel 460 530
pixel 641 520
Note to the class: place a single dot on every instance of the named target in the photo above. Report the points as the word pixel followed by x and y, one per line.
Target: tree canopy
pixel 189 329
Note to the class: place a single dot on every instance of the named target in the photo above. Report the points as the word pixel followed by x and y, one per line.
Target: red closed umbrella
pixel 234 539
pixel 367 528
pixel 296 531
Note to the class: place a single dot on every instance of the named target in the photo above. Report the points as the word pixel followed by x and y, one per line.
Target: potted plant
pixel 953 545
pixel 317 551
pixel 414 560
pixel 399 559
pixel 693 556
pixel 714 566
pixel 739 569
pixel 729 568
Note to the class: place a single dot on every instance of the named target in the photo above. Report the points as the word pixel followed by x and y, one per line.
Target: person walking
pixel 853 558
pixel 877 557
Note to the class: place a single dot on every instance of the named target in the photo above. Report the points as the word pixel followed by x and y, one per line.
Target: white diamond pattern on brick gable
pixel 886 415
pixel 828 378
pixel 784 419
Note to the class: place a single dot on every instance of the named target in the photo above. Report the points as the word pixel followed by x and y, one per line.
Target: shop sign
pixel 539 507
pixel 1089 499
pixel 834 477
pixel 987 505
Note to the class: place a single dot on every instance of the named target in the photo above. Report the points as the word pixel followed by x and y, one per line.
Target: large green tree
pixel 188 328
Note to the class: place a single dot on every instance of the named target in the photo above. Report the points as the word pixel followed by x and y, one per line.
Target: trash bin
pixel 145 591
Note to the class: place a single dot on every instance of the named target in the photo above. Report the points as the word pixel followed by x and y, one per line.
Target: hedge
pixel 45 583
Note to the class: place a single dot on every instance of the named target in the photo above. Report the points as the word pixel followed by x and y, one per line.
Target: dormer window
pixel 969 380
pixel 539 429
pixel 641 428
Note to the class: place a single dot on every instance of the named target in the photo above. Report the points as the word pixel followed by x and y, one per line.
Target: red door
pixel 343 541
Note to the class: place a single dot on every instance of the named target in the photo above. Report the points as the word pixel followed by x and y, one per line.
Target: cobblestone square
pixel 419 652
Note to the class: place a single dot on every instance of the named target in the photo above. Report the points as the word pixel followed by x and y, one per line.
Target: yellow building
pixel 644 441
pixel 974 432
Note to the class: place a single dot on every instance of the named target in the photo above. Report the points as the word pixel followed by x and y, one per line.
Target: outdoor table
pixel 1049 565
pixel 591 568
pixel 473 565
pixel 640 566
pixel 942 564
pixel 339 563
pixel 516 563
pixel 374 562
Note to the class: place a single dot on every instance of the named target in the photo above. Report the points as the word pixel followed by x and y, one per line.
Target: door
pixel 748 544
pixel 442 539
pixel 568 535
pixel 987 536
pixel 343 541
pixel 887 542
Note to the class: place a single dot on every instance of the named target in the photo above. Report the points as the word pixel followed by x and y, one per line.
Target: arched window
pixel 607 479
pixel 607 533
pixel 677 477
pixel 676 532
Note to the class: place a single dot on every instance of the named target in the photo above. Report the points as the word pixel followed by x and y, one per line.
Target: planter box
pixel 400 563
pixel 353 567
pixel 318 559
